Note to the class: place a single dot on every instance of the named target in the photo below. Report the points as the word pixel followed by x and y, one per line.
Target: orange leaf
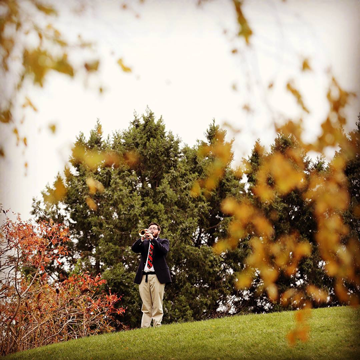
pixel 291 338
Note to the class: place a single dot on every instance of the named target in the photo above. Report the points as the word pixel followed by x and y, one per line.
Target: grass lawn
pixel 334 334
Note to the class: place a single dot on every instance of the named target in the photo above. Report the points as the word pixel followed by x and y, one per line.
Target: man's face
pixel 154 230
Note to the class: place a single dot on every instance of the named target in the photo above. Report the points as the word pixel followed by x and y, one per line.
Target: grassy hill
pixel 334 334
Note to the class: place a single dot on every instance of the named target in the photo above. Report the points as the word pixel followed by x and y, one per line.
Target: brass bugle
pixel 143 232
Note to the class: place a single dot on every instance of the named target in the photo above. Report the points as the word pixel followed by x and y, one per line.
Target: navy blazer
pixel 161 248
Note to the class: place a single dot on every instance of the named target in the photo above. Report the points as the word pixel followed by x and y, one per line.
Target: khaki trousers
pixel 152 295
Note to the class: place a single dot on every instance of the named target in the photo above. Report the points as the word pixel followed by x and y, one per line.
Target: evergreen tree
pixel 106 206
pixel 352 172
pixel 289 213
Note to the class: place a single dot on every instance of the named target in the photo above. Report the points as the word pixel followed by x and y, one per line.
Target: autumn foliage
pixel 37 308
pixel 277 174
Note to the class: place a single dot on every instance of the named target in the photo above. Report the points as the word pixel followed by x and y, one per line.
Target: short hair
pixel 158 226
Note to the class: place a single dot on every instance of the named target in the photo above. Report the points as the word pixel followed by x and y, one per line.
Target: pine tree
pixel 106 205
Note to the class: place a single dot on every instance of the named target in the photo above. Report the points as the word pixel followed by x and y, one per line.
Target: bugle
pixel 142 232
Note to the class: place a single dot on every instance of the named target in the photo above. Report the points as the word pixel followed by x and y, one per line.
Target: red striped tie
pixel 150 257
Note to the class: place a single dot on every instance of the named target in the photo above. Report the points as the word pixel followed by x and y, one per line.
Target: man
pixel 152 275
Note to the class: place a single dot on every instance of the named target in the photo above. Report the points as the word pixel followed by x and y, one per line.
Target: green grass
pixel 334 334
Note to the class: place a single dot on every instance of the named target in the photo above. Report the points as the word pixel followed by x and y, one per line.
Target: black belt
pixel 148 273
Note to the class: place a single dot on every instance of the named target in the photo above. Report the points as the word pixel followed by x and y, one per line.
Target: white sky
pixel 183 69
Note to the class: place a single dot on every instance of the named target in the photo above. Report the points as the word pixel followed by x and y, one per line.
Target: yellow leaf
pixel 244 279
pixel 291 269
pixel 296 156
pixel 269 275
pixel 245 212
pixel 52 128
pixel 317 294
pixel 93 66
pixel 264 193
pixel 263 226
pixel 204 150
pixel 338 99
pixel 5 116
pixel 37 63
pixel 229 205
pixel 272 292
pixel 220 247
pixel 247 108
pixel 91 203
pixel 94 185
pixel 195 191
pixel 222 152
pixel 78 153
pixel 90 182
pixel 291 128
pixel 245 29
pixel 131 158
pixel 63 66
pixel 287 295
pixel 16 132
pixel 239 172
pixel 60 190
pixel 236 229
pixel 231 127
pixel 285 175
pixel 46 9
pixel 331 268
pixel 123 66
pixel 290 87
pixel 93 159
pixel 257 258
pixel 29 103
pixel 338 163
pixel 210 183
pixel 344 256
pixel 305 65
pixel 112 159
pixel 302 249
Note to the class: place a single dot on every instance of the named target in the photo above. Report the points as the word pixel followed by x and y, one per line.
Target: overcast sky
pixel 184 69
